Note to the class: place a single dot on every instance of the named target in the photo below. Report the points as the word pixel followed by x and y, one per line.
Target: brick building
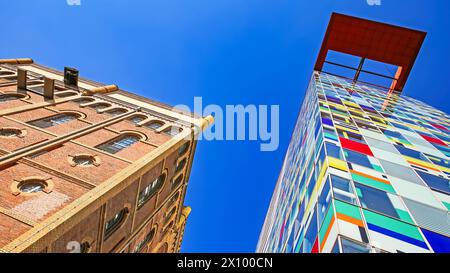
pixel 86 167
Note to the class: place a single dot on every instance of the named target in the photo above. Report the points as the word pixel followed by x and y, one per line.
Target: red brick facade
pixel 72 209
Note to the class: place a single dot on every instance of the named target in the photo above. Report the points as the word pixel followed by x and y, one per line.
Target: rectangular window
pixel 343 190
pixel 334 150
pixel 382 202
pixel 435 182
pixel 357 158
pixel 349 246
pixel 323 202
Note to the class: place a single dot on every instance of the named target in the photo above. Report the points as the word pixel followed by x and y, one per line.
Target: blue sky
pixel 228 52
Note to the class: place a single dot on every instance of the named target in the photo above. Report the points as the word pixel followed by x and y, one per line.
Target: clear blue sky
pixel 228 52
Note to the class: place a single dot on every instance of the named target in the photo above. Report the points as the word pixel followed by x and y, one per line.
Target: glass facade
pixel 364 172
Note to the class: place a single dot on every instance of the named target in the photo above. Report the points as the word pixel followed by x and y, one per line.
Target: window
pixel 10 132
pixel 357 158
pixel 99 106
pixel 116 145
pixel 147 239
pixel 84 160
pixel 183 149
pixel 32 186
pixel 324 202
pixel 65 94
pixel 177 181
pixel 343 190
pixel 170 214
pixel 174 199
pixel 172 130
pixel 83 100
pixel 380 201
pixel 349 246
pixel 9 97
pixel 310 235
pixel 180 165
pixel 435 182
pixel 154 124
pixel 333 150
pixel 115 222
pixel 150 190
pixel 411 153
pixel 116 111
pixel 137 119
pixel 168 227
pixel 54 120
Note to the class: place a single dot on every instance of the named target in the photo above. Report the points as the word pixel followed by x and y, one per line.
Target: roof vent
pixel 71 76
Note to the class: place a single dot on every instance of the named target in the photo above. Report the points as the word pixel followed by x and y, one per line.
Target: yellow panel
pixel 337 163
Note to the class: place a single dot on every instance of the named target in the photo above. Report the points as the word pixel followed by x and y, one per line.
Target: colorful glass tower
pixel 367 169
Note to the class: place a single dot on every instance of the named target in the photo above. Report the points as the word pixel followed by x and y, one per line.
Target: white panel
pixel 396 158
pixel 392 245
pixel 368 171
pixel 415 192
pixel 339 173
pixel 349 230
pixel 332 236
pixel 374 135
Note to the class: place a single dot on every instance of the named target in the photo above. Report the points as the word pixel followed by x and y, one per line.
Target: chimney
pixel 71 76
pixel 49 88
pixel 22 78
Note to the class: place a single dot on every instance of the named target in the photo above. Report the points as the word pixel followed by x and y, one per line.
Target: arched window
pixel 54 120
pixel 151 190
pixel 99 106
pixel 6 73
pixel 11 132
pixel 154 124
pixel 172 130
pixel 180 165
pixel 183 149
pixel 177 181
pixel 170 214
pixel 83 100
pixel 137 118
pixel 116 111
pixel 147 239
pixel 115 222
pixel 174 198
pixel 9 97
pixel 65 94
pixel 118 144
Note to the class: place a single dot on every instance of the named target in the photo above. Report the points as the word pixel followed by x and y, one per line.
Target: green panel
pixel 377 168
pixel 373 183
pixel 347 209
pixel 404 215
pixel 358 192
pixel 326 223
pixel 391 224
pixel 330 136
pixel 447 205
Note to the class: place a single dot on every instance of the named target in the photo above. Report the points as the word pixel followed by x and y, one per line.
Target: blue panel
pixel 396 235
pixel 439 243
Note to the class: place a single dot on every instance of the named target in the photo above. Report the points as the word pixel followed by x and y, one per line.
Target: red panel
pixel 434 140
pixel 355 146
pixel 440 127
pixel 315 248
pixel 373 40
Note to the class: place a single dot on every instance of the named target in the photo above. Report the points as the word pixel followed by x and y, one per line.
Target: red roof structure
pixel 373 40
